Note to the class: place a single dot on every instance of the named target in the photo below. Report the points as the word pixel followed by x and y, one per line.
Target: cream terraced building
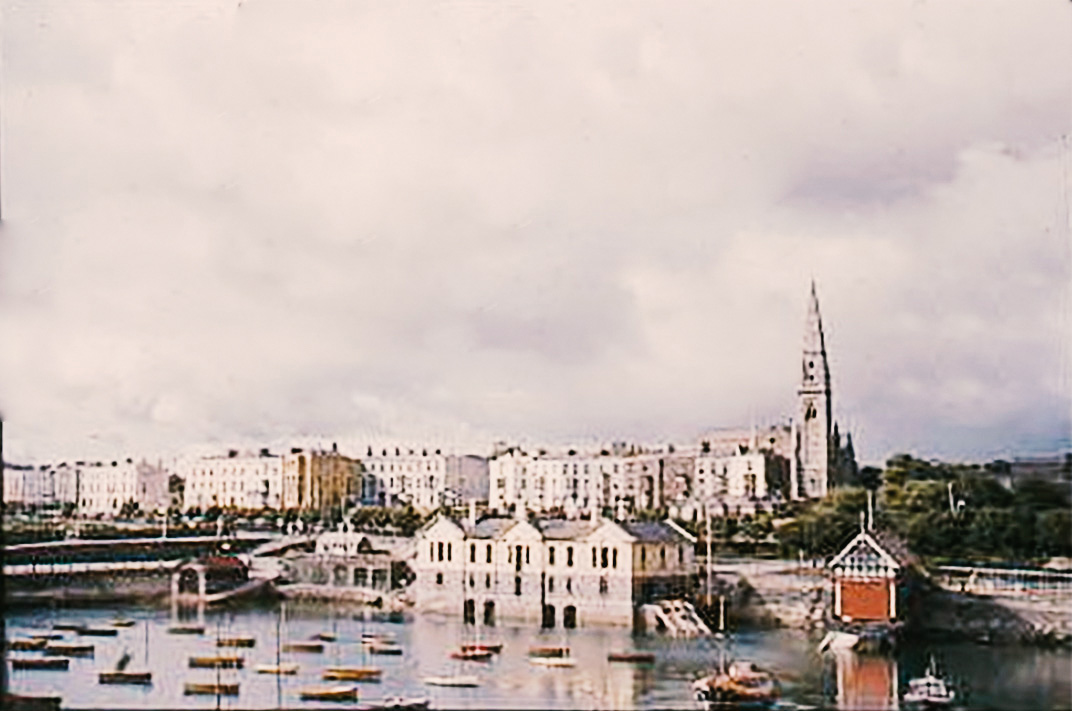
pixel 549 572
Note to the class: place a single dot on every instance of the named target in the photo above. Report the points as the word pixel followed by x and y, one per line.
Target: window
pixel 487 581
pixel 526 555
pixel 569 556
pixel 439 578
pixel 472 581
pixel 681 555
pixel 517 585
pixel 662 556
pixel 551 555
pixel 441 550
pixel 614 558
pixel 643 556
pixel 489 552
pixel 593 556
pixel 448 551
pixel 550 583
pixel 602 586
pixel 603 559
pixel 472 552
pixel 569 585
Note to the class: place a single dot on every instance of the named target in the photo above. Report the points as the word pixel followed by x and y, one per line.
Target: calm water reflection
pixel 1000 678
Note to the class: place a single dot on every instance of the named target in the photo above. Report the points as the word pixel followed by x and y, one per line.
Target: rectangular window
pixel 604 562
pixel 643 556
pixel 439 578
pixel 662 557
pixel 517 585
pixel 614 558
pixel 489 552
pixel 569 585
pixel 569 556
pixel 681 555
pixel 526 555
pixel 551 555
pixel 487 581
pixel 448 551
pixel 593 556
pixel 472 552
pixel 550 584
pixel 441 551
pixel 602 586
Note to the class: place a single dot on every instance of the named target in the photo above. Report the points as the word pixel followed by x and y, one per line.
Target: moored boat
pixel 462 680
pixel 191 689
pixel 186 629
pixel 493 648
pixel 553 661
pixel 67 626
pixel 69 650
pixel 325 636
pixel 122 622
pixel 540 652
pixel 632 657
pixel 929 691
pixel 742 683
pixel 217 662
pixel 397 704
pixel 18 702
pixel 352 674
pixel 384 648
pixel 47 664
pixel 98 631
pixel 27 645
pixel 330 693
pixel 47 636
pixel 236 642
pixel 286 668
pixel 125 677
pixel 308 647
pixel 471 655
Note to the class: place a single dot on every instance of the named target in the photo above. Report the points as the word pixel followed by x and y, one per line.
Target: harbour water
pixel 993 677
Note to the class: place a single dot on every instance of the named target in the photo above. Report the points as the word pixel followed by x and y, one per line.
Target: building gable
pixel 609 531
pixel 442 528
pixel 522 531
pixel 865 554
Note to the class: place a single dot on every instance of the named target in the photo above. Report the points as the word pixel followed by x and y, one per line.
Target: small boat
pixel 17 702
pixel 397 704
pixel 286 668
pixel 352 674
pixel 384 648
pixel 47 636
pixel 471 655
pixel 123 622
pixel 929 691
pixel 330 693
pixel 186 629
pixel 236 642
pixel 554 662
pixel 98 631
pixel 67 626
pixel 325 636
pixel 632 657
pixel 493 648
pixel 218 662
pixel 27 645
pixel 53 664
pixel 191 689
pixel 311 647
pixel 125 677
pixel 69 650
pixel 457 681
pixel 741 683
pixel 377 638
pixel 549 651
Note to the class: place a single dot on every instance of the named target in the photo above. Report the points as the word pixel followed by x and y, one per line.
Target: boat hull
pixel 279 669
pixel 244 642
pixel 41 664
pixel 352 674
pixel 119 677
pixel 210 689
pixel 345 693
pixel 305 647
pixel 217 662
pixel 453 681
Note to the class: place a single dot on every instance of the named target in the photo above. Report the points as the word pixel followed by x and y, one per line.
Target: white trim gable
pixel 442 528
pixel 865 538
pixel 521 531
pixel 608 530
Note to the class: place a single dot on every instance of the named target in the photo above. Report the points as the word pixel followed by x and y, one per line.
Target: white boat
pixel 553 661
pixel 286 668
pixel 462 680
pixel 397 703
pixel 929 690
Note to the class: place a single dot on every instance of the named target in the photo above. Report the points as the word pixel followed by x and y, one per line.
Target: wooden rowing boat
pixel 352 674
pixel 326 636
pixel 286 668
pixel 186 629
pixel 17 702
pixel 464 680
pixel 210 689
pixel 47 636
pixel 553 661
pixel 310 647
pixel 330 693
pixel 218 662
pixel 236 642
pixel 53 664
pixel 381 648
pixel 122 622
pixel 98 631
pixel 396 704
pixel 125 677
pixel 69 650
pixel 27 645
pixel 549 652
pixel 493 648
pixel 471 655
pixel 632 657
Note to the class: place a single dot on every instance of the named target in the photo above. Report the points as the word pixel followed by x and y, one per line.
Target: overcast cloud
pixel 271 222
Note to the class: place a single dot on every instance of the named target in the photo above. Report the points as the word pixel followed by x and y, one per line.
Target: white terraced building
pixel 550 572
pixel 424 478
pixel 235 481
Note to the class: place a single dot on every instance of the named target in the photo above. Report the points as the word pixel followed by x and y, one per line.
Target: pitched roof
pixel 565 529
pixel 488 527
pixel 654 532
pixel 887 544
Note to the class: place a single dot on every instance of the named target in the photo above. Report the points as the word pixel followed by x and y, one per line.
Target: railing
pixel 982 580
pixel 74 568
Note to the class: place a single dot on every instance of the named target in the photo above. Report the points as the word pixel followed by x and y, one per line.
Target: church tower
pixel 810 468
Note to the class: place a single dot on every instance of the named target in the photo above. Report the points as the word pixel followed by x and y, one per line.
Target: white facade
pixel 42 485
pixel 424 478
pixel 105 486
pixel 552 572
pixel 741 476
pixel 241 482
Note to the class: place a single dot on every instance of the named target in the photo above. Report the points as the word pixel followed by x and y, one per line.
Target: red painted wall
pixel 865 599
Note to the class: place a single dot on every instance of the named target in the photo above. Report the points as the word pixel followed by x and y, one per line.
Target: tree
pixel 129 509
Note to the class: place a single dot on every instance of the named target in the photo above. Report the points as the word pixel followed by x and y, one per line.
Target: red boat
pixel 471 655
pixel 493 648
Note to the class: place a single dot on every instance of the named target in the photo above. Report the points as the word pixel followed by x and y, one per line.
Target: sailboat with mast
pixel 279 668
pixel 348 673
pixel 122 676
pixel 738 683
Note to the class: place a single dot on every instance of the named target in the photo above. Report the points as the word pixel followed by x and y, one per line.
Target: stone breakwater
pixel 1044 621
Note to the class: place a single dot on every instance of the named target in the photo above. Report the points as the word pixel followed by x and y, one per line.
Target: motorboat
pixel 69 650
pixel 17 702
pixel 461 680
pixel 217 662
pixel 47 636
pixel 352 674
pixel 306 647
pixel 330 693
pixel 192 689
pixel 236 642
pixel 929 690
pixel 741 683
pixel 632 657
pixel 286 668
pixel 47 664
pixel 472 654
pixel 125 677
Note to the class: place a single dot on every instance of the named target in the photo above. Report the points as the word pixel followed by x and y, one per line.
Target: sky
pixel 236 224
